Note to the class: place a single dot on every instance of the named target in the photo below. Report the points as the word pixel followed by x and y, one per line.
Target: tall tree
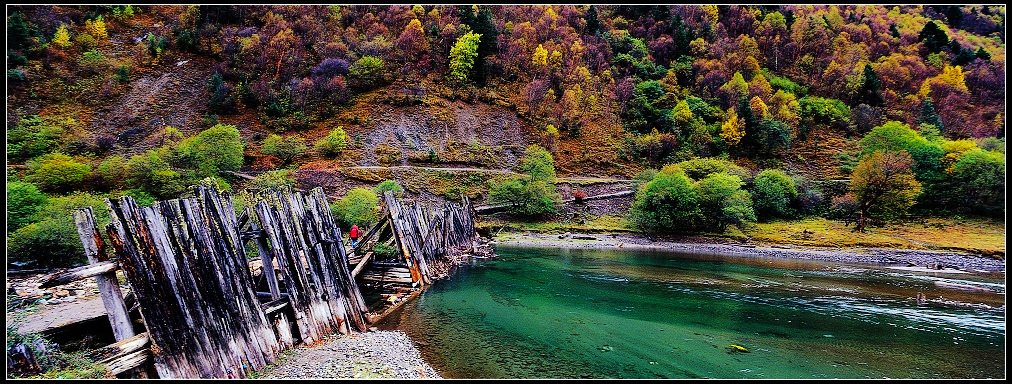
pixel 871 88
pixel 883 186
pixel 933 37
pixel 593 24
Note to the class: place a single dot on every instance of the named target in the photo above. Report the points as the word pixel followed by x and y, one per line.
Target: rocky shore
pixel 370 355
pixel 941 261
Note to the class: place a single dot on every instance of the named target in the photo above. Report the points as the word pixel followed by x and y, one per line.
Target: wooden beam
pixel 361 264
pixel 79 273
pixel 108 284
pixel 274 306
pixel 119 348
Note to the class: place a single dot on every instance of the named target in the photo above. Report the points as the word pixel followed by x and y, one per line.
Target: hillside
pixel 448 100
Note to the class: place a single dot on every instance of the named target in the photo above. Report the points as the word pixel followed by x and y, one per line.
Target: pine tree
pixel 871 89
pixel 929 115
pixel 894 31
pixel 983 55
pixel 933 37
pixel 593 24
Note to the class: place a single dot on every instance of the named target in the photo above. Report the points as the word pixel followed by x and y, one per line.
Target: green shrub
pixel 92 60
pixel 669 202
pixel 722 201
pixel 822 110
pixel 24 200
pixel 769 137
pixel 152 174
pixel 538 164
pixel 332 144
pixel 214 150
pixel 367 72
pixel 524 196
pixel 123 74
pixel 384 252
pixel 52 240
pixel 774 192
pixel 534 193
pixel 699 168
pixel 286 149
pixel 31 137
pixel 980 181
pixel 358 206
pixel 113 172
pixel 48 243
pixel 272 179
pixel 57 172
pixel 897 136
pixel 389 185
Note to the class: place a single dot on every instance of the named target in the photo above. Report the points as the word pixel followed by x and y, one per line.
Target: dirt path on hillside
pixel 574 179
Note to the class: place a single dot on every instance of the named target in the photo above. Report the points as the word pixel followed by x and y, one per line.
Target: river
pixel 568 313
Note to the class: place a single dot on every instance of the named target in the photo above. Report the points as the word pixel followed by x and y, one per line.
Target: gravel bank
pixel 374 355
pixel 935 260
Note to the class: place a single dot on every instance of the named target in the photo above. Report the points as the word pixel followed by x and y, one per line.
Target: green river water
pixel 566 313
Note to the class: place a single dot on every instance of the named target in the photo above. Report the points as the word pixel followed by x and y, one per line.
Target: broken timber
pixel 187 264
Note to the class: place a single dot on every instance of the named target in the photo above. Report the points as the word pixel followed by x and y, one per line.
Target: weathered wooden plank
pixel 120 348
pixel 361 264
pixel 267 259
pixel 276 305
pixel 129 361
pixel 185 260
pixel 79 273
pixel 108 285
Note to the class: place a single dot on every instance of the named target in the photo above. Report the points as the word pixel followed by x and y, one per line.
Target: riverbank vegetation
pixel 725 118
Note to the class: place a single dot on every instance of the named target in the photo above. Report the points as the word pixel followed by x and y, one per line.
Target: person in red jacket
pixel 354 235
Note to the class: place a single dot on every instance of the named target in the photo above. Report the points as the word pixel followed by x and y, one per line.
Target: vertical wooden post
pixel 108 286
pixel 267 259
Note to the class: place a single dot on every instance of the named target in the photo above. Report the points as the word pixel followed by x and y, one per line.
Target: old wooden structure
pixel 426 242
pixel 208 314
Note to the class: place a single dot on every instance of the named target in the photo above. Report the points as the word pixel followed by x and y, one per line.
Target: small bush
pixel 123 74
pixel 48 243
pixel 774 193
pixel 57 172
pixel 214 150
pixel 52 240
pixel 272 179
pixel 286 149
pixel 113 172
pixel 384 252
pixel 152 174
pixel 31 137
pixel 92 60
pixel 367 72
pixel 669 202
pixel 533 194
pixel 699 168
pixel 356 207
pixel 524 196
pixel 389 185
pixel 24 200
pixel 332 144
pixel 722 201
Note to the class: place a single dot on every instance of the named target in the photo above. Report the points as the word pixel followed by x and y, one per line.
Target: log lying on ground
pixel 75 274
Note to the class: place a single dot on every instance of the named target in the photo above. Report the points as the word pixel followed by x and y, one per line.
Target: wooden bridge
pixel 207 314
